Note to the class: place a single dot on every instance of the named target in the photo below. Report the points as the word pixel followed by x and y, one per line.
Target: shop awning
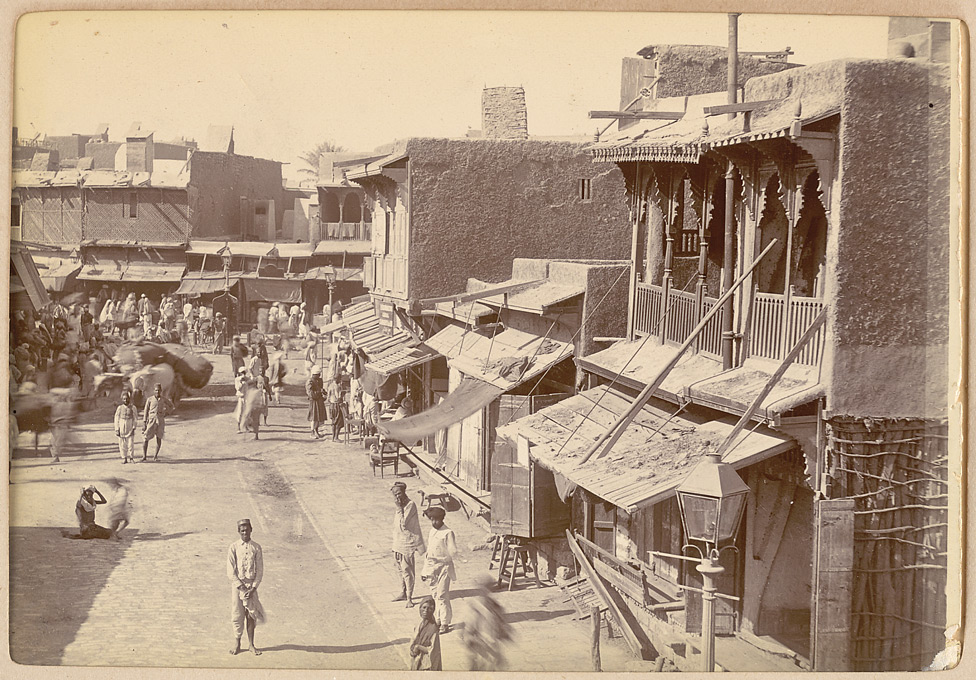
pixel 154 273
pixel 56 278
pixel 652 456
pixel 136 273
pixel 367 332
pixel 733 391
pixel 401 358
pixel 273 290
pixel 506 360
pixel 22 267
pixel 204 286
pixel 469 397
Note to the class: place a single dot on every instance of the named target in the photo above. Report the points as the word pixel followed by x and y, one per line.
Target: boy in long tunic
pixel 154 420
pixel 439 564
pixel 125 428
pixel 245 569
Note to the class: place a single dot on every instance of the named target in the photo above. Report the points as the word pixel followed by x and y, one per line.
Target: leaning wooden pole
pixel 615 431
pixel 771 383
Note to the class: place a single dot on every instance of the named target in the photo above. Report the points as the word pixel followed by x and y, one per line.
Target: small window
pixel 260 210
pixel 585 190
pixel 133 204
pixel 14 213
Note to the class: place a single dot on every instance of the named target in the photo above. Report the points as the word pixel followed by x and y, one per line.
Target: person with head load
pixel 439 564
pixel 125 427
pixel 154 420
pixel 245 569
pixel 407 541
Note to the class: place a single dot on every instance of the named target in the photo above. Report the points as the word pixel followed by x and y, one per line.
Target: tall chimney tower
pixel 503 113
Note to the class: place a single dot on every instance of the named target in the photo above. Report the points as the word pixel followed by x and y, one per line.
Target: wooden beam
pixel 639 115
pixel 741 107
pixel 601 592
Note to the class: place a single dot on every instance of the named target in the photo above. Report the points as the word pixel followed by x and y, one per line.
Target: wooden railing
pixel 648 590
pixel 345 231
pixel 778 321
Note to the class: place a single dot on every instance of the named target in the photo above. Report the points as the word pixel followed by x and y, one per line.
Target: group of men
pixel 153 423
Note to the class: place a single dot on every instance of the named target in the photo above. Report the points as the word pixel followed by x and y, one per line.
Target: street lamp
pixel 711 501
pixel 226 257
pixel 330 278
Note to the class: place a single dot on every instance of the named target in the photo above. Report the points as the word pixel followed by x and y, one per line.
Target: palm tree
pixel 311 158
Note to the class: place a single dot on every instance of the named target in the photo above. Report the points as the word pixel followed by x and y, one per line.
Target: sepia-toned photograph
pixel 485 341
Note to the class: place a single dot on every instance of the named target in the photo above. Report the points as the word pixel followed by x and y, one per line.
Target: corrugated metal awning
pixel 506 360
pixel 653 455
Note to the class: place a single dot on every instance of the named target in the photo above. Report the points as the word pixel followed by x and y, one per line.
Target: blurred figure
pixel 425 648
pixel 220 333
pixel 118 507
pixel 240 389
pixel 315 390
pixel 485 630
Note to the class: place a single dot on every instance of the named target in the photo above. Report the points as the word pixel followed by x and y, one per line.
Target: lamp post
pixel 330 279
pixel 226 257
pixel 711 501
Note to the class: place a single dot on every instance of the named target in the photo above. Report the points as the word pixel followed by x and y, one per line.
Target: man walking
pixel 237 354
pixel 439 564
pixel 220 333
pixel 245 569
pixel 154 420
pixel 407 540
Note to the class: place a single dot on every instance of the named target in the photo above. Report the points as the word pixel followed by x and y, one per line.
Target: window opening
pixel 585 190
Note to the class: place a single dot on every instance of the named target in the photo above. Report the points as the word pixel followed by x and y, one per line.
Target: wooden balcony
pixel 777 322
pixel 345 231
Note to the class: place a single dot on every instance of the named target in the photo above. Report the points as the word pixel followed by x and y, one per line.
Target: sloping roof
pixel 368 335
pixel 25 273
pixel 401 358
pixel 468 313
pixel 520 356
pixel 653 455
pixel 687 138
pixel 537 298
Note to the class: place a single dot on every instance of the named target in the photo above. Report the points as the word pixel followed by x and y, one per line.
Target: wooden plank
pixel 639 115
pixel 601 592
pixel 464 298
pixel 737 108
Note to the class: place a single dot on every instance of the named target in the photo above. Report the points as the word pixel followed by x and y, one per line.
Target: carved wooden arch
pixel 703 176
pixel 667 181
pixel 803 177
pixel 746 161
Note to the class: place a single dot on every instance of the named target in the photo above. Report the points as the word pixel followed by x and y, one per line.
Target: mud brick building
pixel 843 553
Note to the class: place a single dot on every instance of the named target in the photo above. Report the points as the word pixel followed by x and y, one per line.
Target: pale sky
pixel 287 80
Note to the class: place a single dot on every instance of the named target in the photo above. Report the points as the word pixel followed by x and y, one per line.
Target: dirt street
pixel 160 596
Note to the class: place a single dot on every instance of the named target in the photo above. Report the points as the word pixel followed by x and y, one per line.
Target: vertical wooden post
pixel 728 264
pixel 787 277
pixel 595 637
pixel 634 244
pixel 668 257
pixel 833 555
pixel 701 288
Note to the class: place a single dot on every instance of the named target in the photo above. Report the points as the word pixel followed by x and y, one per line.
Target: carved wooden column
pixel 667 282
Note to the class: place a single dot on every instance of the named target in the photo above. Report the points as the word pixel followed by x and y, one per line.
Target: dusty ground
pixel 160 596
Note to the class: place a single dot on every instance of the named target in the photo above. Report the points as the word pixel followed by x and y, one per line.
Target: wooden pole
pixel 595 637
pixel 617 429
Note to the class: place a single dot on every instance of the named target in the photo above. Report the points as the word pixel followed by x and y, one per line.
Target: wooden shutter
pixel 510 509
